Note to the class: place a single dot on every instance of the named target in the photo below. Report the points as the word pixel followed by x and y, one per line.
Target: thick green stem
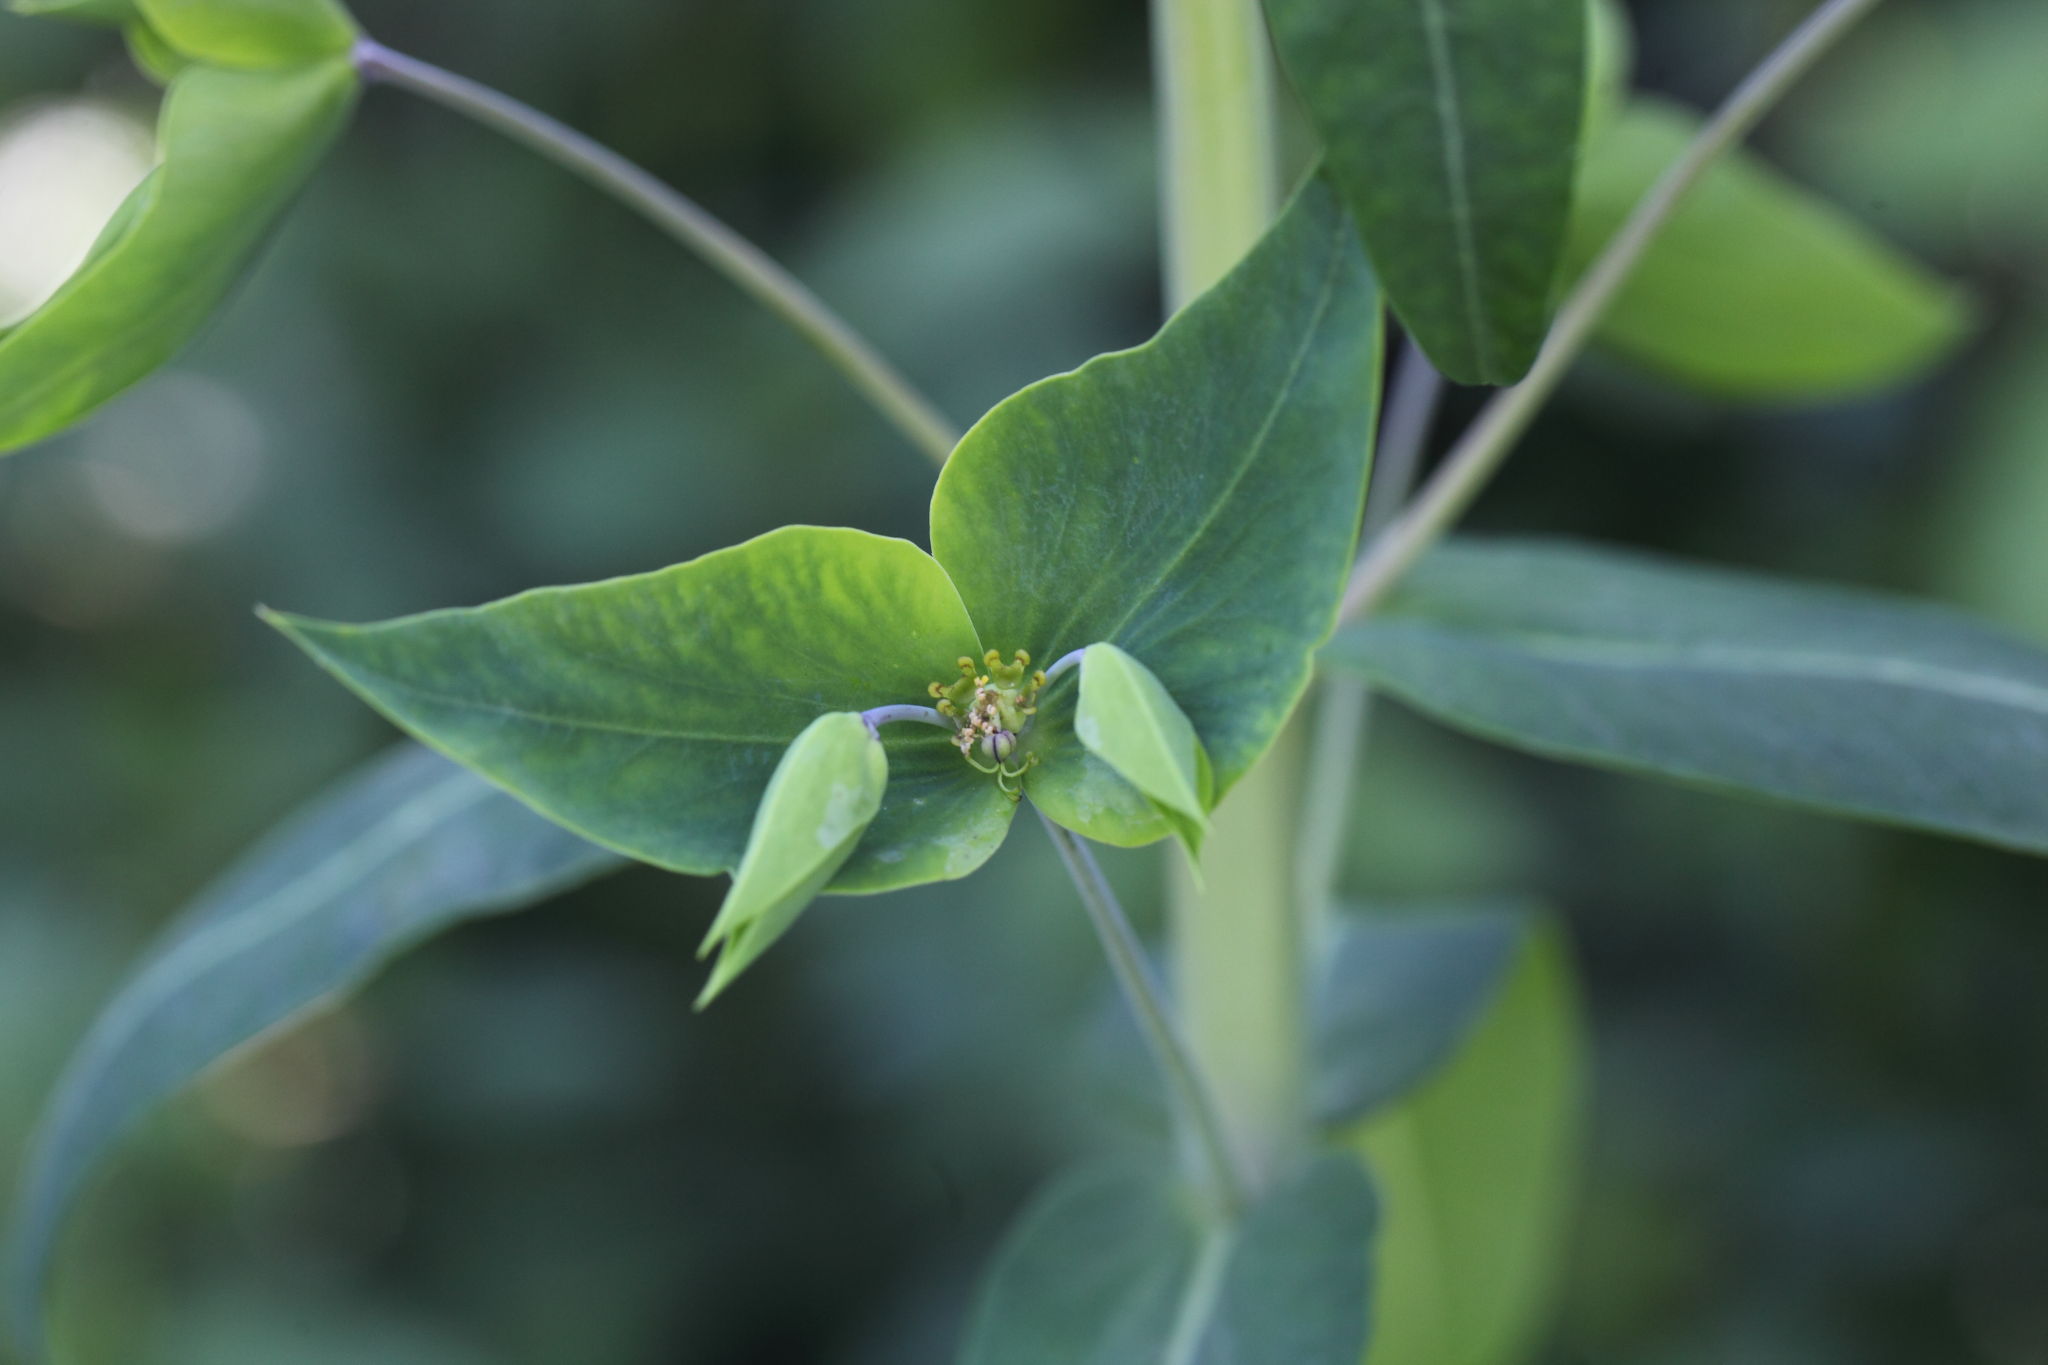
pixel 1472 462
pixel 682 218
pixel 1238 952
pixel 1194 1104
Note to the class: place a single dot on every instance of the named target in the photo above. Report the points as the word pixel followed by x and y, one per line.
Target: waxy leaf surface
pixel 1117 1267
pixel 825 790
pixel 1843 701
pixel 648 713
pixel 235 146
pixel 1396 997
pixel 1476 1173
pixel 1194 502
pixel 402 849
pixel 252 33
pixel 1127 719
pixel 1755 288
pixel 1452 127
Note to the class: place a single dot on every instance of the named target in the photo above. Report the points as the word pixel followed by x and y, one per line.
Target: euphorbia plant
pixel 1132 568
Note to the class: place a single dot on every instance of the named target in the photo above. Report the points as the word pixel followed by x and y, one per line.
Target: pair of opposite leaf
pixel 1131 568
pixel 257 91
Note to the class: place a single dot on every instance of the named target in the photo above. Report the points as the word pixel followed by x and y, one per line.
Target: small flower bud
pixel 998 746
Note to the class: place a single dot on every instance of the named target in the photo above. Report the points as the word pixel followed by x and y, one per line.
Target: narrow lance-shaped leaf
pixel 404 848
pixel 1452 127
pixel 1126 719
pixel 1120 1267
pixel 818 804
pixel 1476 1172
pixel 1756 288
pixel 1843 701
pixel 110 12
pixel 234 147
pixel 648 713
pixel 252 33
pixel 1194 502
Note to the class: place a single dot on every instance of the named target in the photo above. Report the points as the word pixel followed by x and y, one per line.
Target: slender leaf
pixel 1844 701
pixel 1127 719
pixel 1476 1173
pixel 1397 997
pixel 1452 127
pixel 252 33
pixel 406 847
pixel 1116 504
pixel 235 146
pixel 824 793
pixel 1120 1267
pixel 648 713
pixel 1756 288
pixel 110 12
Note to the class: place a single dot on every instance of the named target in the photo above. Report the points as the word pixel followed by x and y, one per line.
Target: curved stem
pixel 1481 450
pixel 739 260
pixel 1169 1049
pixel 891 715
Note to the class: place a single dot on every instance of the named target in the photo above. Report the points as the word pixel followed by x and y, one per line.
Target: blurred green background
pixel 1821 1104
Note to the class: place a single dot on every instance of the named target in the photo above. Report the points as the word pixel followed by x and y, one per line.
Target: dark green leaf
pixel 253 33
pixel 235 146
pixel 1476 1173
pixel 1755 288
pixel 1452 127
pixel 818 804
pixel 648 713
pixel 1120 1267
pixel 1128 720
pixel 1194 501
pixel 1845 701
pixel 406 847
pixel 1398 995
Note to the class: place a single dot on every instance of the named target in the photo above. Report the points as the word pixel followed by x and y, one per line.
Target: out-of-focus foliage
pixel 1820 1062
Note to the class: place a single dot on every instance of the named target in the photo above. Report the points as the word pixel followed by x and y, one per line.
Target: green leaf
pixel 162 63
pixel 824 793
pixel 113 13
pixel 235 147
pixel 1452 127
pixel 402 849
pixel 1756 288
pixel 253 33
pixel 1476 1174
pixel 1194 502
pixel 1398 995
pixel 648 713
pixel 1120 1267
pixel 1847 702
pixel 1127 719
pixel 1610 61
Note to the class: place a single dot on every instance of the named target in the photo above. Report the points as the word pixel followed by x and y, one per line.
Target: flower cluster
pixel 988 710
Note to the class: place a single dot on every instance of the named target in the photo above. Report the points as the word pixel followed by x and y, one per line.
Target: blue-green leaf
pixel 404 848
pixel 1194 502
pixel 1843 701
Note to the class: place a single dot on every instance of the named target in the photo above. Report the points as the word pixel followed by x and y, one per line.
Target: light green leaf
pixel 402 849
pixel 648 713
pixel 1452 127
pixel 1843 701
pixel 253 33
pixel 1127 719
pixel 1120 1267
pixel 1194 502
pixel 1755 288
pixel 824 793
pixel 162 63
pixel 235 146
pixel 1476 1174
pixel 110 12
pixel 1610 61
pixel 1397 996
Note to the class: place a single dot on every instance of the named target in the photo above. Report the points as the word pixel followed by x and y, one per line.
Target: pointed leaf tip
pixel 819 803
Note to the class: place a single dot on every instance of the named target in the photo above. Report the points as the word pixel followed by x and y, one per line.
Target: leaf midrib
pixel 1457 175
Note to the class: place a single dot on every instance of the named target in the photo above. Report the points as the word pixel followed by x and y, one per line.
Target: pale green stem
pixel 1487 443
pixel 1344 703
pixel 1238 955
pixel 682 218
pixel 1191 1098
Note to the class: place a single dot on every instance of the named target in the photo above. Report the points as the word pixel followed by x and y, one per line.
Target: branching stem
pixel 682 218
